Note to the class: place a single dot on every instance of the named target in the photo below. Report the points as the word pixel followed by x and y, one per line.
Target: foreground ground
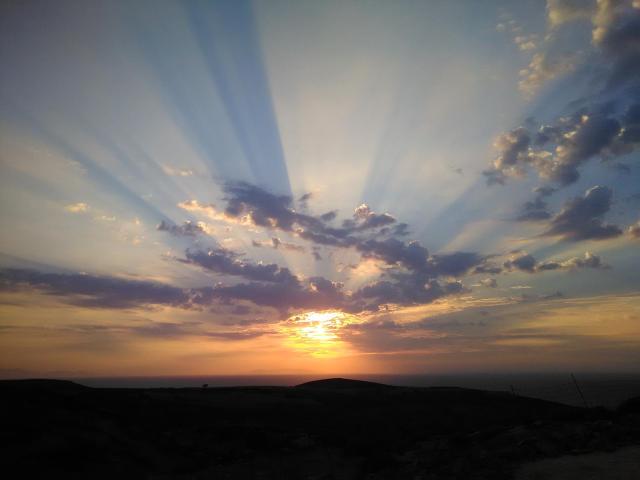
pixel 333 429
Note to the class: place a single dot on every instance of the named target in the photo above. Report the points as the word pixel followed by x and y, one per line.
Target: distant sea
pixel 600 389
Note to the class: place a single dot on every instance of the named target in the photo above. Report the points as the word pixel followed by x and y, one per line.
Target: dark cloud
pixel 411 275
pixel 276 243
pixel 411 256
pixel 454 264
pixel 536 209
pixel 405 289
pixel 366 219
pixel 527 263
pixel 521 261
pixel 227 262
pixel 589 260
pixel 95 291
pixel 581 217
pixel 187 229
pixel 620 40
pixel 329 216
pixel 488 268
pixel 281 297
pixel 303 201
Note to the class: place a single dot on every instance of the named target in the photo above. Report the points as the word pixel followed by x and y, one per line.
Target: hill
pixel 334 428
pixel 342 384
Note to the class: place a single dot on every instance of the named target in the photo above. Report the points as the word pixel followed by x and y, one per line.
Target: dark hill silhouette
pixel 333 428
pixel 342 383
pixel 42 384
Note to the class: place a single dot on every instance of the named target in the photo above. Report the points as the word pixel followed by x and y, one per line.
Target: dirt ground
pixel 623 464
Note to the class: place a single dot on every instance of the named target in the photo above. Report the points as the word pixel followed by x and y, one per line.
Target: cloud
pixel 536 209
pixel 600 128
pixel 405 289
pixel 589 260
pixel 276 243
pixel 512 150
pixel 303 200
pixel 634 230
pixel 410 274
pixel 564 11
pixel 365 219
pixel 581 217
pixel 95 291
pixel 187 229
pixel 489 282
pixel 521 261
pixel 392 251
pixel 488 268
pixel 316 294
pixel 527 263
pixel 79 207
pixel 542 68
pixel 226 262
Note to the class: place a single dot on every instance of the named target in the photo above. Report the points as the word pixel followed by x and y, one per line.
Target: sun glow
pixel 318 333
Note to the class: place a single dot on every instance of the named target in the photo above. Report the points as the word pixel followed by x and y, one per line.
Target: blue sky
pixel 185 184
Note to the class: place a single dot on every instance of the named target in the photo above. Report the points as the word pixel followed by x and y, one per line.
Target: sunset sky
pixel 271 187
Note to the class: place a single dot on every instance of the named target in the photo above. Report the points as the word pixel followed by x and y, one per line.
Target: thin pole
pixel 579 391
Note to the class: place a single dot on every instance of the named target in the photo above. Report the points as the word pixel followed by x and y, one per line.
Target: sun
pixel 318 333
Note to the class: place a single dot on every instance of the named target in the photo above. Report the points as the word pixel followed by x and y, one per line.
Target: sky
pixel 304 187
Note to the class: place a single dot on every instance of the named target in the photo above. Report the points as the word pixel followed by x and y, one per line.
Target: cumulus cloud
pixel 410 274
pixel 582 218
pixel 558 150
pixel 527 263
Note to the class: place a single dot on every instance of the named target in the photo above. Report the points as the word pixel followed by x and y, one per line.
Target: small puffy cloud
pixel 581 217
pixel 634 230
pixel 79 207
pixel 512 150
pixel 526 42
pixel 187 229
